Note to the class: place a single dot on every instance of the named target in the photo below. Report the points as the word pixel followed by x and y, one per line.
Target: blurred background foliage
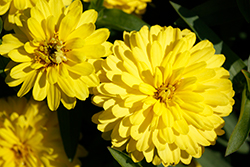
pixel 223 22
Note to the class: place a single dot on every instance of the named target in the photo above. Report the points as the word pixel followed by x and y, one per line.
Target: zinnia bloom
pixel 30 136
pixel 163 96
pixel 16 7
pixel 128 6
pixel 53 51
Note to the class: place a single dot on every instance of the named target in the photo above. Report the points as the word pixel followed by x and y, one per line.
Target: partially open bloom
pixel 30 136
pixel 52 52
pixel 128 6
pixel 163 96
pixel 17 7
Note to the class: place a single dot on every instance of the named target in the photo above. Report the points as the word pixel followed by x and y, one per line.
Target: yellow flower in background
pixel 53 51
pixel 30 136
pixel 163 96
pixel 16 7
pixel 128 6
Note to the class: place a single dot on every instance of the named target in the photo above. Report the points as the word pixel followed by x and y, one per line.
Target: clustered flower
pixel 30 136
pixel 163 95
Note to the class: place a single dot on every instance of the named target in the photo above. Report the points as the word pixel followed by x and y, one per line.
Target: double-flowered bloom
pixel 53 50
pixel 30 136
pixel 163 95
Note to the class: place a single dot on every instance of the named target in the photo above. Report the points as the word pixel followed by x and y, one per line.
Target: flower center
pixel 51 52
pixel 165 93
pixel 20 151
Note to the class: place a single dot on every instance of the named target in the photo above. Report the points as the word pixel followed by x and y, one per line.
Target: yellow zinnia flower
pixel 163 96
pixel 30 136
pixel 128 6
pixel 16 7
pixel 52 52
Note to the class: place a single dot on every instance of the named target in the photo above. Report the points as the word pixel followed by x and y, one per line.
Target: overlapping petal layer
pixel 163 95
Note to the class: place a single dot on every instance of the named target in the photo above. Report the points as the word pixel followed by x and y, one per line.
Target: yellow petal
pixel 53 97
pixel 167 134
pixel 13 82
pixel 76 55
pixel 91 80
pixel 57 9
pixel 147 89
pixel 83 31
pixel 181 60
pixel 158 78
pixel 75 43
pixel 216 61
pixel 8 136
pixel 181 126
pixel 201 55
pixel 4 6
pixel 9 43
pixel 27 84
pixel 19 4
pixel 145 141
pixel 68 24
pixel 30 47
pixel 66 85
pixel 130 80
pixel 83 68
pixel 88 16
pixel 52 74
pixel 19 55
pixel 119 111
pixel 124 127
pixel 81 89
pixel 190 96
pixel 97 37
pixel 36 29
pixel 156 54
pixel 149 153
pixel 111 88
pixel 68 102
pixel 43 6
pixel 93 51
pixel 40 87
pixel 167 117
pixel 63 71
pixel 214 98
pixel 50 27
pixel 158 107
pixel 21 70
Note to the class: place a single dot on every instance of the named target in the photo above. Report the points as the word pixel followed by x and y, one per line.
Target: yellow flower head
pixel 128 6
pixel 16 7
pixel 163 96
pixel 51 52
pixel 30 136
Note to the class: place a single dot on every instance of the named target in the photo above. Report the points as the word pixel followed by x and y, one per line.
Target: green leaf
pixel 244 6
pixel 214 12
pixel 118 20
pixel 233 62
pixel 123 159
pixel 212 158
pixel 97 5
pixel 242 127
pixel 70 126
pixel 230 123
pixel 247 76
